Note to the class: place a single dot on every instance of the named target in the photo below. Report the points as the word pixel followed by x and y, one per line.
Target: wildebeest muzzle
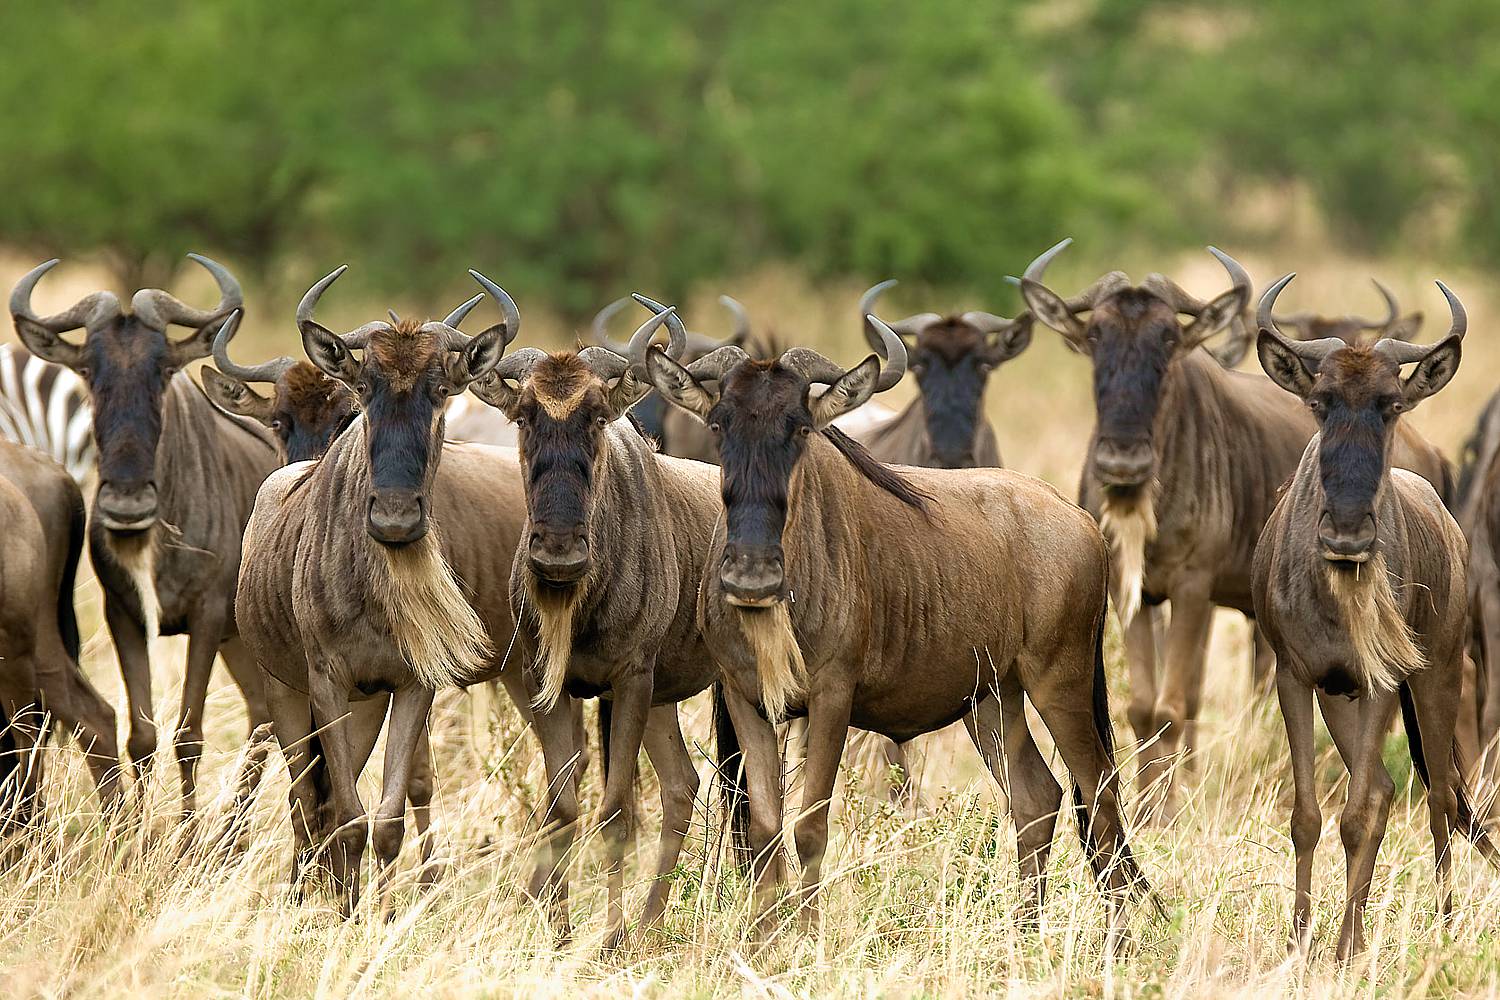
pixel 752 576
pixel 396 517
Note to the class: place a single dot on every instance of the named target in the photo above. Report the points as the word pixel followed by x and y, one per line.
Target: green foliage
pixel 582 149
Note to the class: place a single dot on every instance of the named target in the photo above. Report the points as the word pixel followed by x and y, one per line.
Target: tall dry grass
pixel 915 905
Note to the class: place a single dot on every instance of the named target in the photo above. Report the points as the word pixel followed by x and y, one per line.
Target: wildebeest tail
pixel 606 719
pixel 1468 823
pixel 1139 886
pixel 67 614
pixel 734 792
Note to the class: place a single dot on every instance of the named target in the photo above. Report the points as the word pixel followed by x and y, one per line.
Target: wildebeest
pixel 1183 467
pixel 952 356
pixel 176 481
pixel 382 568
pixel 1478 510
pixel 614 547
pixel 1359 586
pixel 897 602
pixel 42 510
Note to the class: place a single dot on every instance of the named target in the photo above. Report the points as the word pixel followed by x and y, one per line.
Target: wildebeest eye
pixel 362 388
pixel 804 431
pixel 522 423
pixel 84 371
pixel 601 421
pixel 276 424
pixel 714 428
pixel 1315 405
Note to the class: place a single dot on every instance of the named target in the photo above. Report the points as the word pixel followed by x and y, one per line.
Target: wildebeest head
pixel 126 360
pixel 305 410
pixel 650 412
pixel 762 413
pixel 1357 394
pixel 1352 329
pixel 1132 334
pixel 403 375
pixel 952 358
pixel 561 404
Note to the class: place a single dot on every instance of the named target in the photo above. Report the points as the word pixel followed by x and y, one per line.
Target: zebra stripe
pixel 46 407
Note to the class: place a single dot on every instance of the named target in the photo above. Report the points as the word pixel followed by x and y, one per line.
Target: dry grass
pixel 920 906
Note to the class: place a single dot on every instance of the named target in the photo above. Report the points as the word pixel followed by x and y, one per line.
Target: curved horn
pixel 1311 350
pixel 267 371
pixel 609 365
pixel 1392 309
pixel 159 309
pixel 517 366
pixel 1404 354
pixel 91 310
pixel 458 315
pixel 987 322
pixel 1239 278
pixel 394 318
pixel 893 354
pixel 600 325
pixel 741 329
pixel 507 306
pixel 908 327
pixel 356 338
pixel 867 300
pixel 1107 284
pixel 714 364
pixel 676 332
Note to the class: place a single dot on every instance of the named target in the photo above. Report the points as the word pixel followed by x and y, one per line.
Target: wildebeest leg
pixel 1466 730
pixel 23 725
pixel 75 703
pixel 247 677
pixel 1033 792
pixel 291 714
pixel 410 706
pixel 1140 657
pixel 1262 661
pixel 903 791
pixel 828 708
pixel 240 663
pixel 761 752
pixel 203 644
pixel 679 788
pixel 1437 700
pixel 1307 819
pixel 1489 711
pixel 1358 729
pixel 554 729
pixel 632 706
pixel 1178 701
pixel 135 669
pixel 419 790
pixel 330 708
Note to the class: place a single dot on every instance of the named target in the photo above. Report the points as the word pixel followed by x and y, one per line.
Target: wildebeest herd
pixel 639 523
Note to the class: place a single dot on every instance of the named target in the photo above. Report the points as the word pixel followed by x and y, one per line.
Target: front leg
pixel 328 686
pixel 410 706
pixel 1140 657
pixel 632 706
pixel 135 669
pixel 549 881
pixel 204 638
pixel 755 778
pixel 1181 694
pixel 1307 820
pixel 828 709
pixel 679 790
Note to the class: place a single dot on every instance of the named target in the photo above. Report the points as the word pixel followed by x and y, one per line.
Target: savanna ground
pixel 920 905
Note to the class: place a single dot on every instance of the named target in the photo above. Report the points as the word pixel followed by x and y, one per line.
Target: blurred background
pixel 789 153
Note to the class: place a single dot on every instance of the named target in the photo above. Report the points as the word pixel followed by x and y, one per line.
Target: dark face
pixel 127 365
pixel 762 423
pixel 1132 339
pixel 1356 399
pixel 952 365
pixel 562 412
pixel 309 411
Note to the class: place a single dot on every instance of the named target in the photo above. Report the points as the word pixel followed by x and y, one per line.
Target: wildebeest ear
pixel 1047 306
pixel 1432 372
pixel 198 344
pixel 47 345
pixel 1283 365
pixel 1215 316
pixel 1005 344
pixel 677 385
pixel 495 391
pixel 328 351
pixel 233 396
pixel 853 389
pixel 479 355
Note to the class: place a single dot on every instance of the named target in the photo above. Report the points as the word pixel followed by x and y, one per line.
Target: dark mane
pixel 878 473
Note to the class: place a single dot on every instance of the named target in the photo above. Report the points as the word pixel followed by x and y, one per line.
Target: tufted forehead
pixel 307 390
pixel 560 382
pixel 950 339
pixel 1359 374
pixel 1134 307
pixel 403 353
pixel 763 389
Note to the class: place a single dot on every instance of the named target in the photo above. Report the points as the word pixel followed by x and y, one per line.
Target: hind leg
pixel 1436 701
pixel 1140 657
pixel 24 727
pixel 998 728
pixel 1359 729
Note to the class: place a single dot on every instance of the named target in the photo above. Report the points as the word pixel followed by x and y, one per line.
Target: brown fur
pixel 404 353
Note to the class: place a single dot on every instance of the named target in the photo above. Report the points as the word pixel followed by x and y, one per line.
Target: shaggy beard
pixel 136 555
pixel 1385 648
pixel 553 609
pixel 436 629
pixel 1129 523
pixel 778 658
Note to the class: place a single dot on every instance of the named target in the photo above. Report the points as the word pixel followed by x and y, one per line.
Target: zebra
pixel 46 407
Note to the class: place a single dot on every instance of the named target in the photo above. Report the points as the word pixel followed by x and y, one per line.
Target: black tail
pixel 1139 886
pixel 730 768
pixel 606 718
pixel 67 615
pixel 1468 823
